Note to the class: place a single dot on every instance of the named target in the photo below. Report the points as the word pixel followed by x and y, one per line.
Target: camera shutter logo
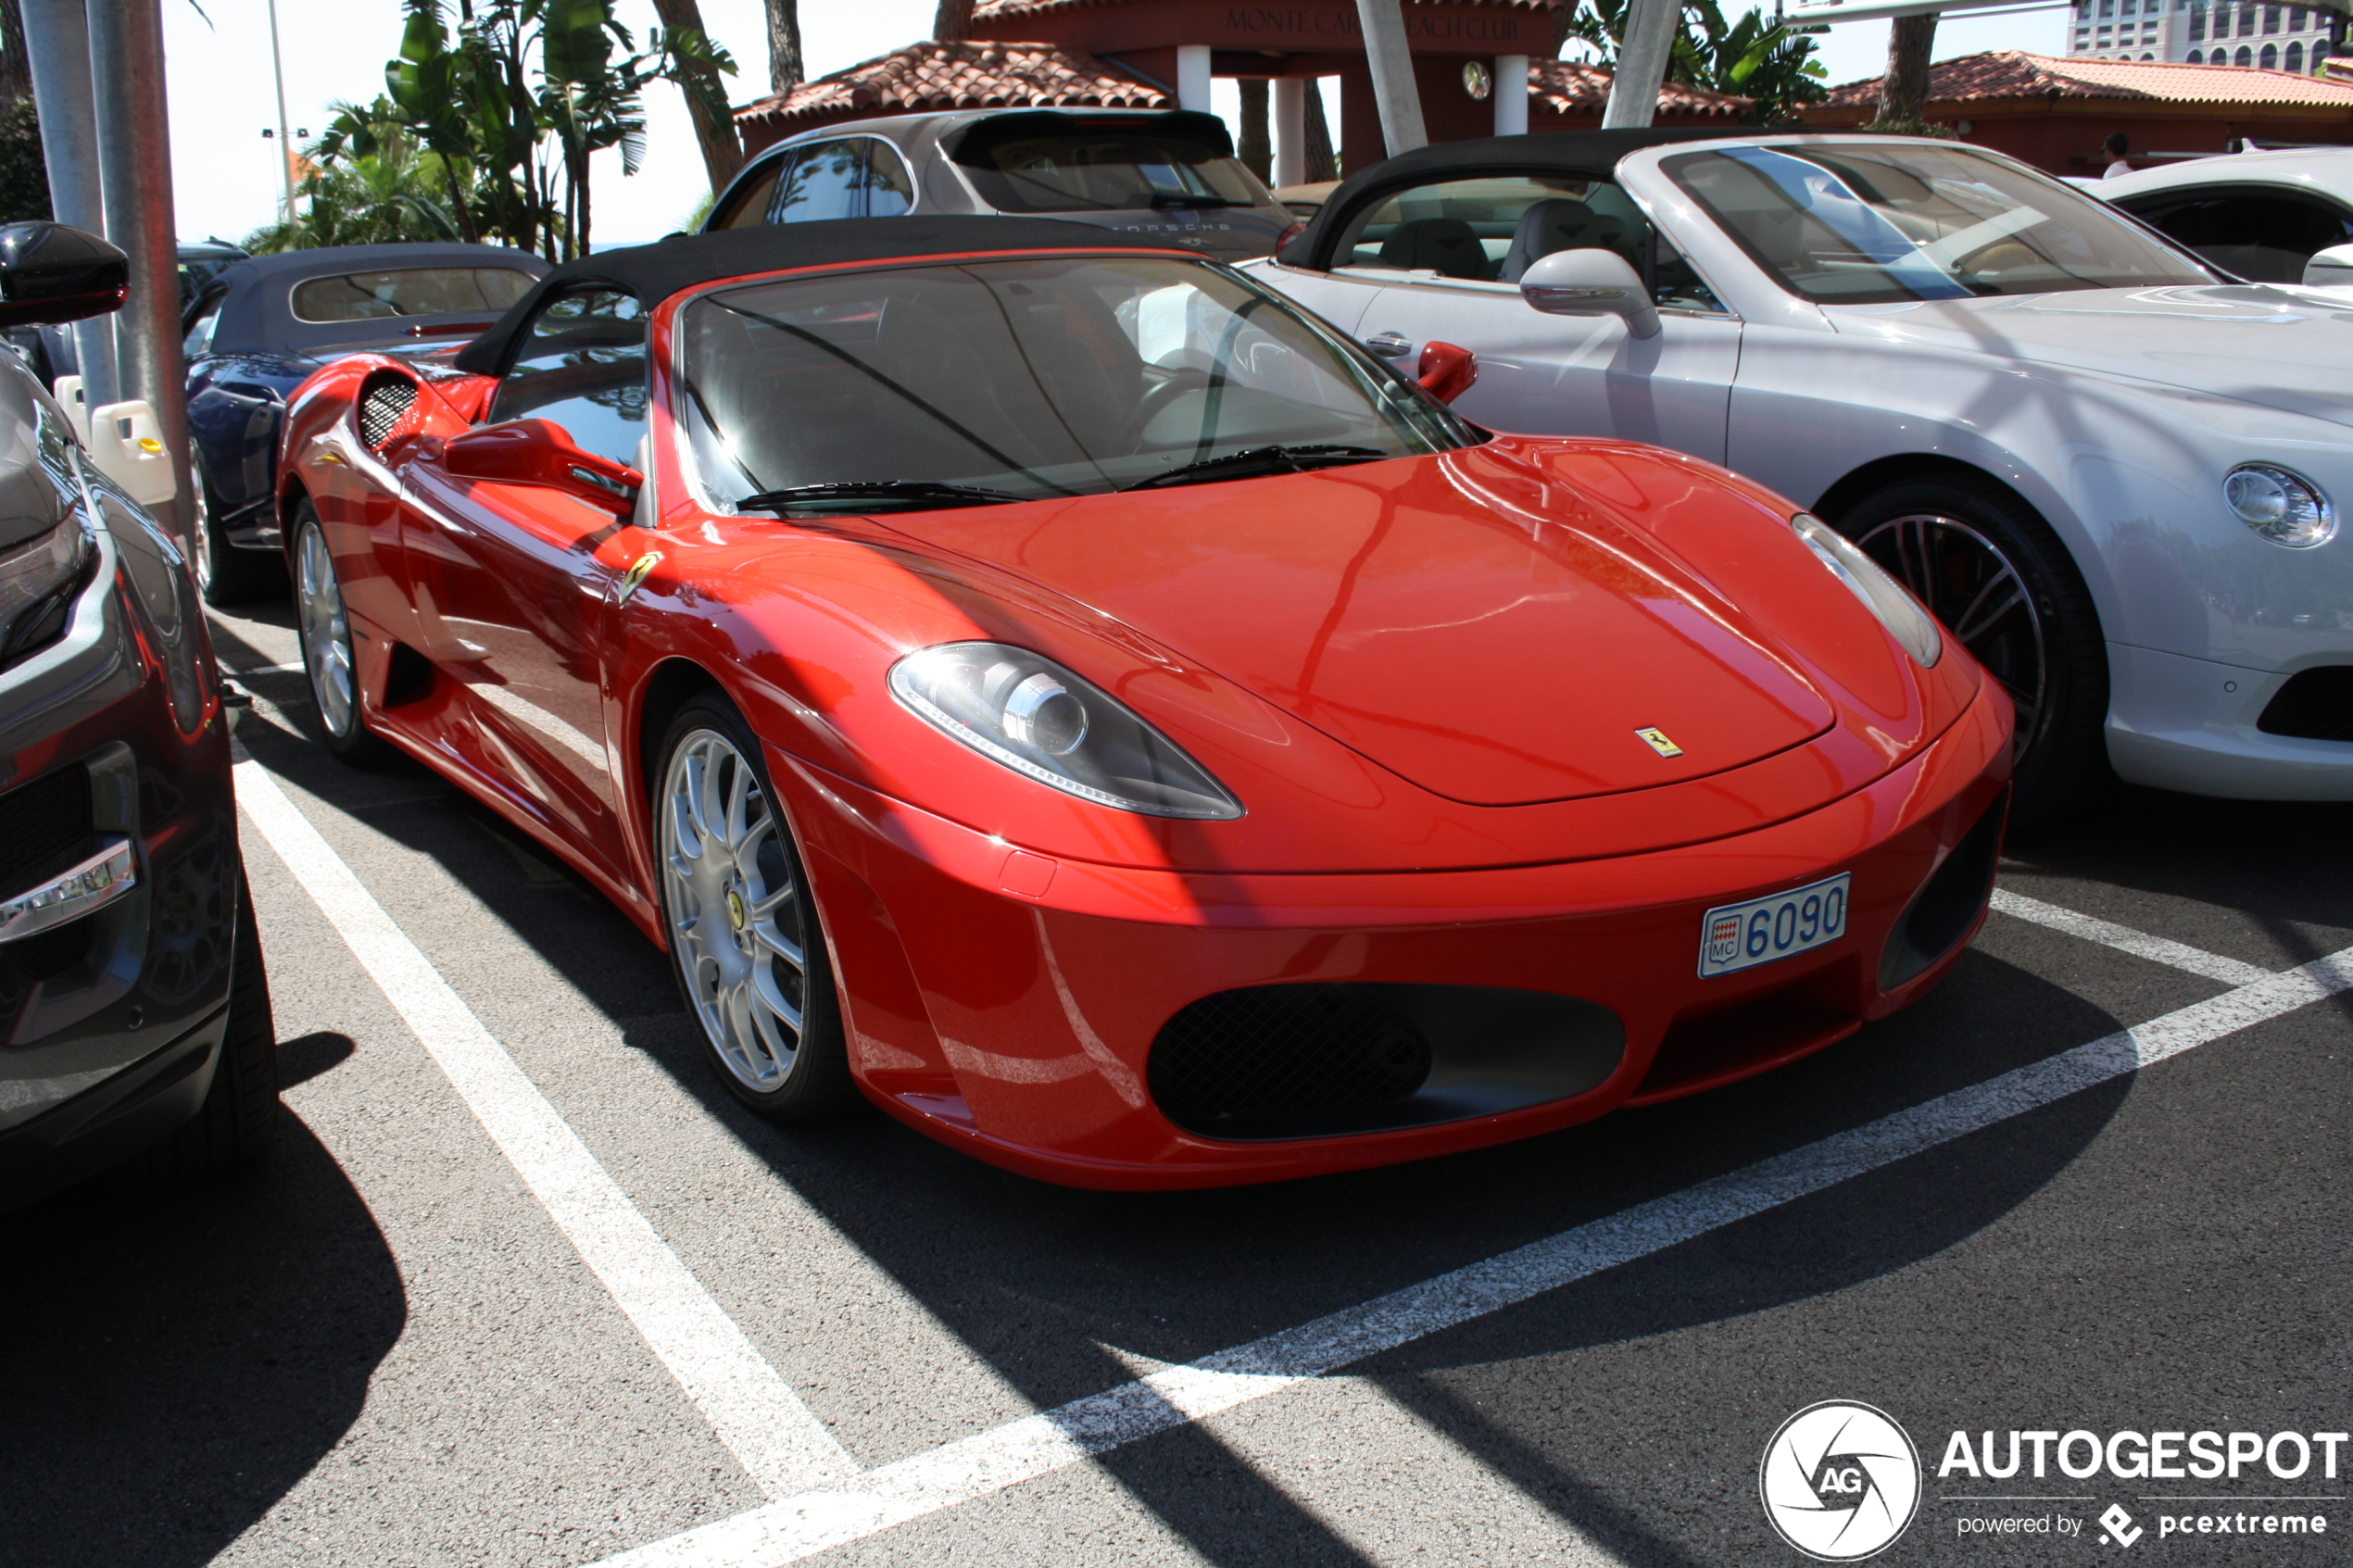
pixel 1840 1481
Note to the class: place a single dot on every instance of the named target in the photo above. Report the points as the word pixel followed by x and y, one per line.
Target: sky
pixel 225 177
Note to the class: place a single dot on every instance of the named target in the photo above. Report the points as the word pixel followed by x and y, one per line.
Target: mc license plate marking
pixel 1736 937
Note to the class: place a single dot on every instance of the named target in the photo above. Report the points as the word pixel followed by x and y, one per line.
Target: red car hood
pixel 1487 655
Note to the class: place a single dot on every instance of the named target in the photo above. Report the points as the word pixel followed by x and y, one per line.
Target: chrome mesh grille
pixel 385 399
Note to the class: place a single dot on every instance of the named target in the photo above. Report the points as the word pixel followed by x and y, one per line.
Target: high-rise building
pixel 2224 33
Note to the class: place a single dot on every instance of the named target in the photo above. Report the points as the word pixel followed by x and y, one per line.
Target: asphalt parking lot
pixel 523 1285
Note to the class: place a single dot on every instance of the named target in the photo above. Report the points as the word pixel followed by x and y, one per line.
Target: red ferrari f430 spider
pixel 1059 690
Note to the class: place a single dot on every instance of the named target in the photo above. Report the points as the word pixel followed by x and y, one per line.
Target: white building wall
pixel 2179 30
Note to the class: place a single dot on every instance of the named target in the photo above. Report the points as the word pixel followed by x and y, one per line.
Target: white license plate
pixel 1734 936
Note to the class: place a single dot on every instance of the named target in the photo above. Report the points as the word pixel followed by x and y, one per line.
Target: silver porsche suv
pixel 1162 173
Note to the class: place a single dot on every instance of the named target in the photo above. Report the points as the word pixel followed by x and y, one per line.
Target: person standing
pixel 2118 145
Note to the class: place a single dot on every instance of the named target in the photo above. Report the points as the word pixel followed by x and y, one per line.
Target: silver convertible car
pixel 2111 468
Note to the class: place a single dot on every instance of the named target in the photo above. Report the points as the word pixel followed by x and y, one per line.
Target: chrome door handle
pixel 1389 345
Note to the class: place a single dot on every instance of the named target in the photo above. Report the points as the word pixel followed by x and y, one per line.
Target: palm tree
pixel 368 181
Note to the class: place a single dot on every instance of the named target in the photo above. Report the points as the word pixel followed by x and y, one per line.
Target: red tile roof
pixel 1567 87
pixel 974 75
pixel 2010 73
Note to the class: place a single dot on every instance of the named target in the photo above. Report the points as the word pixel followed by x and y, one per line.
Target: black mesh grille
pixel 1943 911
pixel 45 827
pixel 385 400
pixel 2314 705
pixel 1244 1063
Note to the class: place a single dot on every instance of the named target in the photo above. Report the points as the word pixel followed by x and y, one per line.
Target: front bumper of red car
pixel 1012 1005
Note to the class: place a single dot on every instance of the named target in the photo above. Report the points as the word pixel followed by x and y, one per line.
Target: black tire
pixel 725 971
pixel 225 574
pixel 237 1124
pixel 325 631
pixel 2004 586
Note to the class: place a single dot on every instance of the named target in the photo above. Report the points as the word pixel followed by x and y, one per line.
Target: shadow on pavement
pixel 176 1360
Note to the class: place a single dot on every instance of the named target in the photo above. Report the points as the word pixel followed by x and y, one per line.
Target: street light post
pixel 286 147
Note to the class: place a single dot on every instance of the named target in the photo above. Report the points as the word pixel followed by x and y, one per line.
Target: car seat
pixel 1562 224
pixel 1446 246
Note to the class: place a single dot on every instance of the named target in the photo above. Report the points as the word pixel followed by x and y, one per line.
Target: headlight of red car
pixel 1036 718
pixel 1885 597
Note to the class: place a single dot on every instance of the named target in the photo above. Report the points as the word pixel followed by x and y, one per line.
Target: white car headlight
pixel 2284 507
pixel 37 581
pixel 1036 718
pixel 1897 609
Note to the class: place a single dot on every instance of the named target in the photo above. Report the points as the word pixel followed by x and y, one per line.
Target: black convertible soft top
pixel 654 273
pixel 258 316
pixel 1593 152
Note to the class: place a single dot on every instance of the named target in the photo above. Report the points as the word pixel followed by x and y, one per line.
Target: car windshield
pixel 1884 223
pixel 409 290
pixel 1026 379
pixel 1120 170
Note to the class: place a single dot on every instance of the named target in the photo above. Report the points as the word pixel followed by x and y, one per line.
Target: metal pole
pixel 1392 59
pixel 134 155
pixel 285 147
pixel 1641 64
pixel 57 39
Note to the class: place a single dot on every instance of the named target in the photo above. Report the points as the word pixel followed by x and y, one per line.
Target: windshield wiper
pixel 1257 460
pixel 1182 198
pixel 914 492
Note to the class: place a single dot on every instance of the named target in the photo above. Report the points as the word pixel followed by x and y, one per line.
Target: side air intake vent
pixel 387 398
pixel 2314 705
pixel 1947 902
pixel 1311 1060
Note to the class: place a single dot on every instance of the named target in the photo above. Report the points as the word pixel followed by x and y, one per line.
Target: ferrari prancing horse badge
pixel 1659 743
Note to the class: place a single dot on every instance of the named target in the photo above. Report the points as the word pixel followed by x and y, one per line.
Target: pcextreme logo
pixel 1840 1481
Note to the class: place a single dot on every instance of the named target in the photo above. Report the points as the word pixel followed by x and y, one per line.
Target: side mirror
pixel 49 272
pixel 1447 371
pixel 541 452
pixel 1589 282
pixel 2332 267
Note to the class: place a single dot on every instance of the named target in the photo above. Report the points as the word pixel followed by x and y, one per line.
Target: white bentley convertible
pixel 2112 470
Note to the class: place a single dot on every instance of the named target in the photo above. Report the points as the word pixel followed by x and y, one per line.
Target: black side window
pixel 583 367
pixel 201 321
pixel 2261 235
pixel 856 178
pixel 747 205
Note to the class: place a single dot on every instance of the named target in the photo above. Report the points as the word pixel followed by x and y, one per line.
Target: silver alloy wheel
pixel 202 505
pixel 1977 593
pixel 326 633
pixel 733 904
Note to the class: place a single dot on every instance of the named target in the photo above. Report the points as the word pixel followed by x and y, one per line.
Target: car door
pixel 510 597
pixel 1448 257
pixel 234 409
pixel 2261 232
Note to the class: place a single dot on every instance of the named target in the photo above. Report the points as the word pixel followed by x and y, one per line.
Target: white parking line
pixel 2140 944
pixel 782 1446
pixel 956 1473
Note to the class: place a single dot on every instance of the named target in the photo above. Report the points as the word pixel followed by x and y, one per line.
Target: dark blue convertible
pixel 263 324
